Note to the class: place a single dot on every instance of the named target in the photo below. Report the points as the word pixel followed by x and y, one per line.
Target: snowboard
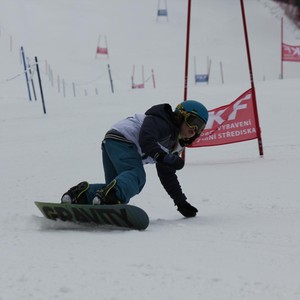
pixel 120 215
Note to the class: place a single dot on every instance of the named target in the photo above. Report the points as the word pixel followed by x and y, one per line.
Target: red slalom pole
pixel 260 146
pixel 187 49
pixel 281 48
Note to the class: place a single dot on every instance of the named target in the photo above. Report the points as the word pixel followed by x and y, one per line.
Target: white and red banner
pixel 230 123
pixel 101 50
pixel 290 53
pixel 138 86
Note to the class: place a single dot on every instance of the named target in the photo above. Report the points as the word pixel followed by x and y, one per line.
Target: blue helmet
pixel 193 107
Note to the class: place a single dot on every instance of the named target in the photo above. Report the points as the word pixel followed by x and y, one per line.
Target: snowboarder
pixel 158 136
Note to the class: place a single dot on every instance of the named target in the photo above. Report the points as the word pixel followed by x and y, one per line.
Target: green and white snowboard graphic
pixel 121 215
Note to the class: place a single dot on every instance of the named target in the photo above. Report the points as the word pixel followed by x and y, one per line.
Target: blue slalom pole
pixel 25 71
pixel 40 84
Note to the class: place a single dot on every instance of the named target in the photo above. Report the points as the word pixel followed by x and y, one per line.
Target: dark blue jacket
pixel 161 126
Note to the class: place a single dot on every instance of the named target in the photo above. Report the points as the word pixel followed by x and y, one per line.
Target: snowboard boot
pixel 76 194
pixel 107 195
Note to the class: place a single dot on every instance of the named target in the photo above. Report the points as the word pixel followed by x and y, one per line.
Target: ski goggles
pixel 194 122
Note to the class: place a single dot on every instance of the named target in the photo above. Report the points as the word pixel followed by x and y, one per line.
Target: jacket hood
pixel 163 111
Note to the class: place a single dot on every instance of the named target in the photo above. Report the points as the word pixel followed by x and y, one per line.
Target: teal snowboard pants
pixel 121 161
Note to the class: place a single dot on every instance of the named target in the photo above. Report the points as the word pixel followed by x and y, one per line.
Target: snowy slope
pixel 244 243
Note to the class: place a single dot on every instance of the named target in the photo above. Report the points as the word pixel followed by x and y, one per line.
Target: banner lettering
pixel 290 53
pixel 230 123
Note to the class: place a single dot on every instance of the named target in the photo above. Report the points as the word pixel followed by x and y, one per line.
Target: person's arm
pixel 153 130
pixel 169 180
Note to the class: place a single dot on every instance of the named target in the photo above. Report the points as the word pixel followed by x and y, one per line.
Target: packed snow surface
pixel 244 242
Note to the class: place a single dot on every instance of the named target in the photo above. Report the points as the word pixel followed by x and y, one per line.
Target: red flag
pixel 138 86
pixel 230 123
pixel 101 50
pixel 290 53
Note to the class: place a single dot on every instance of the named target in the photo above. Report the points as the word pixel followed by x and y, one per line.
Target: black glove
pixel 186 209
pixel 172 160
